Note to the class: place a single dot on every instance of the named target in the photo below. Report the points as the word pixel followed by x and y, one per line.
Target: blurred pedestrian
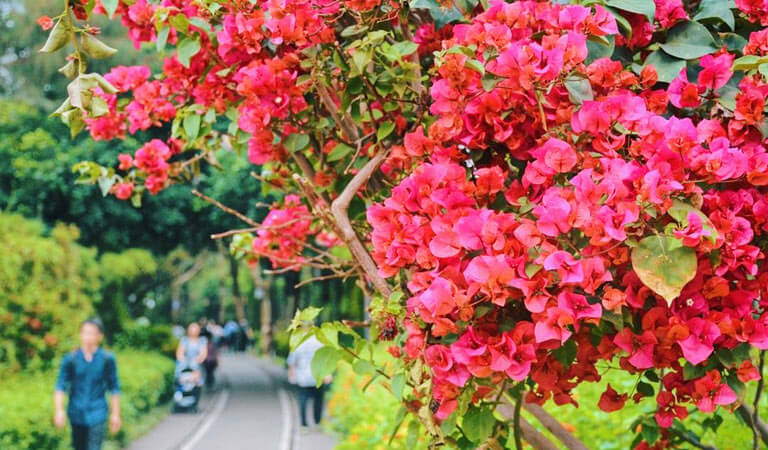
pixel 192 351
pixel 300 374
pixel 211 359
pixel 242 336
pixel 231 329
pixel 86 375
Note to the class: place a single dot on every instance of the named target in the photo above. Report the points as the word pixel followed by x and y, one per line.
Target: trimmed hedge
pixel 26 401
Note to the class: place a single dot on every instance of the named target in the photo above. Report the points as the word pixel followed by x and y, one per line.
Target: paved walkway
pixel 252 408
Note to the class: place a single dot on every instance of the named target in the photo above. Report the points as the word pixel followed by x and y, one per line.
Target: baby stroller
pixel 187 393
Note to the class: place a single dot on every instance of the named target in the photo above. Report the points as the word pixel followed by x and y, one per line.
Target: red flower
pixel 45 22
pixel 611 400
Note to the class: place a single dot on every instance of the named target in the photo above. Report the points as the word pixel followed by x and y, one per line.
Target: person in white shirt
pixel 300 374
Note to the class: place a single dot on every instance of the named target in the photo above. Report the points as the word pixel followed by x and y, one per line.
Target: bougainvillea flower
pixel 610 400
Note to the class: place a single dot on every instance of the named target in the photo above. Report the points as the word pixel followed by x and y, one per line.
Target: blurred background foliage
pixel 70 252
pixel 67 252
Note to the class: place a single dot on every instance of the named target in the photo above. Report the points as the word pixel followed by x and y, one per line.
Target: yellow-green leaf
pixel 58 37
pixel 664 265
pixel 95 48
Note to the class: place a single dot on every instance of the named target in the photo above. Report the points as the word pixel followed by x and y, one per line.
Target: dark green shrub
pixel 138 336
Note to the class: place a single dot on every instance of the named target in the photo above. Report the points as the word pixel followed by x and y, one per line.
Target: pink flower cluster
pixel 544 244
pixel 283 233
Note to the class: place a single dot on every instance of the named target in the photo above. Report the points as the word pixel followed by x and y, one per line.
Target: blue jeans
pixel 316 394
pixel 86 437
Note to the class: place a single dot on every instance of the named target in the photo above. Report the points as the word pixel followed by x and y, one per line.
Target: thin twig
pixel 516 422
pixel 233 232
pixel 756 402
pixel 325 277
pixel 226 209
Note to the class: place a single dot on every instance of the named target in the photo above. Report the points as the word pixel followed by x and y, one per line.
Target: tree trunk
pixel 263 289
pixel 528 432
pixel 556 428
pixel 237 298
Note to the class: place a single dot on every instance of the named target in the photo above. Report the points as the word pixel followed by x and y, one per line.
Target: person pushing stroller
pixel 190 356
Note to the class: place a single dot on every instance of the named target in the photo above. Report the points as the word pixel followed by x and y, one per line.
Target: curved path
pixel 252 408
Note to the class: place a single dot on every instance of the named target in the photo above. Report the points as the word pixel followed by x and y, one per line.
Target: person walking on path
pixel 192 351
pixel 300 374
pixel 211 360
pixel 86 375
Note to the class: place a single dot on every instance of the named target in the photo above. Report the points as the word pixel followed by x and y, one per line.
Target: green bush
pixel 26 405
pixel 139 336
pixel 48 283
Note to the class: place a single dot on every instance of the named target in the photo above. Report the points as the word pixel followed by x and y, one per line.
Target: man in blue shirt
pixel 86 375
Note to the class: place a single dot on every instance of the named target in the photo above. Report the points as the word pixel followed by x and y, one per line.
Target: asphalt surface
pixel 251 408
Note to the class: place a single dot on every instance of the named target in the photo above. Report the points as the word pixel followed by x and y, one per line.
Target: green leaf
pixel 186 50
pixel 201 23
pixel 733 42
pixel 621 21
pixel 566 354
pixel 324 363
pixel 650 433
pixel 99 107
pixel 644 7
pixel 579 89
pixel 475 65
pixel 667 67
pixel 353 30
pixel 105 184
pixel 162 38
pixel 296 142
pixel 599 48
pixel 307 314
pixel 110 6
pixel 298 336
pixel 749 62
pixel 363 367
pixel 614 318
pixel 478 424
pixel 489 81
pixel 532 269
pixel 398 385
pixel 57 38
pixel 192 126
pixel 664 265
pixel 440 15
pixel 401 413
pixel 679 211
pixel 338 152
pixel 645 389
pixel 180 23
pixel 762 69
pixel 719 10
pixel 360 59
pixel 385 129
pixel 405 48
pixel 727 94
pixel 689 40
